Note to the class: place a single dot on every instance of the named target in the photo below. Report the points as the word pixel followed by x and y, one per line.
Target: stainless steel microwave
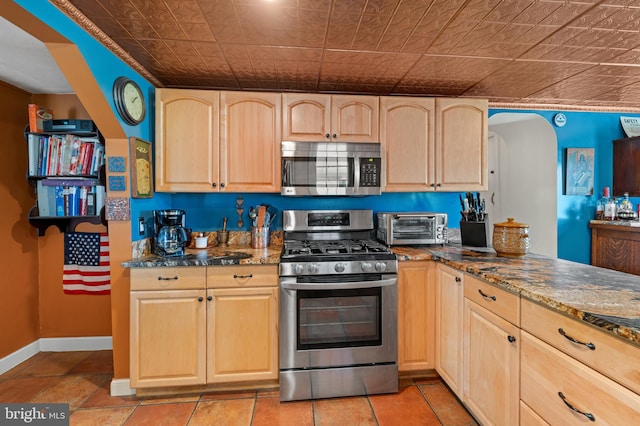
pixel 331 168
pixel 413 228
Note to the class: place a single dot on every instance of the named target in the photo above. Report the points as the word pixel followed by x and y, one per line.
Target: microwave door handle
pixel 286 174
pixel 338 286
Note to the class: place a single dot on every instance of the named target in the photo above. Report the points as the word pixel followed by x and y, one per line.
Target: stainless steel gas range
pixel 338 307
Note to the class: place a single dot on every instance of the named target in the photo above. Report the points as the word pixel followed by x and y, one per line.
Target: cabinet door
pixel 461 144
pixel 186 140
pixel 449 316
pixel 250 137
pixel 491 366
pixel 354 118
pixel 306 117
pixel 242 335
pixel 167 338
pixel 416 316
pixel 406 134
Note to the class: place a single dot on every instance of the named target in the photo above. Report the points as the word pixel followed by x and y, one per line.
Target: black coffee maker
pixel 171 235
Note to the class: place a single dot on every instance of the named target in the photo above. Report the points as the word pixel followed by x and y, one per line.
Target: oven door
pixel 413 229
pixel 337 321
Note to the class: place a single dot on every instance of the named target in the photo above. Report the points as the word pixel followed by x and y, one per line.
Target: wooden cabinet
pixel 203 325
pixel 562 390
pixel 209 141
pixel 626 176
pixel 242 326
pixel 615 247
pixel 416 315
pixel 434 144
pixel 449 326
pixel 187 140
pixel 338 118
pixel 167 327
pixel 461 147
pixel 491 360
pixel 250 136
pixel 407 132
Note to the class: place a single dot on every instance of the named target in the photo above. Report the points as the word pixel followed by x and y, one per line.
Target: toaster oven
pixel 414 228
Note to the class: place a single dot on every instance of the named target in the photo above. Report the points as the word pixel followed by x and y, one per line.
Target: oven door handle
pixel 337 286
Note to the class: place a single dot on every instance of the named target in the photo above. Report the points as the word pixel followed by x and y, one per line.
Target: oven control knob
pixel 366 267
pixel 381 266
pixel 339 267
pixel 298 268
pixel 314 268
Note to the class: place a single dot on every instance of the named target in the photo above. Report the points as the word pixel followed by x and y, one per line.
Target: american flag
pixel 86 263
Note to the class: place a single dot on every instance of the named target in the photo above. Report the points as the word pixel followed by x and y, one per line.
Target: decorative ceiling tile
pixel 582 52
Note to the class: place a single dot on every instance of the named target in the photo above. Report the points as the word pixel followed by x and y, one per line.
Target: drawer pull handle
pixel 511 339
pixel 566 336
pixel 486 296
pixel 236 276
pixel 568 404
pixel 167 279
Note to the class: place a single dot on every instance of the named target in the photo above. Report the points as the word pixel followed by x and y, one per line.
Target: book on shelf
pixel 64 155
pixel 66 196
pixel 37 114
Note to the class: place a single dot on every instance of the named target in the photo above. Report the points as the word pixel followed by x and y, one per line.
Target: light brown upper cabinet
pixel 434 144
pixel 210 141
pixel 461 147
pixel 337 118
pixel 250 136
pixel 187 143
pixel 407 134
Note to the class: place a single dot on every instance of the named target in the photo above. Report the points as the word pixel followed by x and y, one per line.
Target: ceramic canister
pixel 511 238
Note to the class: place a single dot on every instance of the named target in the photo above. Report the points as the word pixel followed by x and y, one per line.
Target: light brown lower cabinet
pixel 449 327
pixel 221 330
pixel 416 315
pixel 564 391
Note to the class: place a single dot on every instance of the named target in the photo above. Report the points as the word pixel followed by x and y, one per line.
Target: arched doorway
pixel 523 177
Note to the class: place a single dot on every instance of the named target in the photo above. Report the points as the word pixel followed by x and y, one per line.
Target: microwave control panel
pixel 370 171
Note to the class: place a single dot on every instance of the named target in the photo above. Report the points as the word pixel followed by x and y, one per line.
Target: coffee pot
pixel 171 235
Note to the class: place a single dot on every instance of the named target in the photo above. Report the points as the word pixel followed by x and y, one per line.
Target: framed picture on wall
pixel 579 171
pixel 141 157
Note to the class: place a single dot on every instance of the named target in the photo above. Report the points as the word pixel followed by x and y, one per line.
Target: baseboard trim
pixel 19 356
pixel 55 344
pixel 67 344
pixel 121 387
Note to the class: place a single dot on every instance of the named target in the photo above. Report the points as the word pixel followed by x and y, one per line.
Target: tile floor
pixel 82 380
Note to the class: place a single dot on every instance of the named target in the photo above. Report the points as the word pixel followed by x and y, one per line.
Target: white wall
pixel 522 177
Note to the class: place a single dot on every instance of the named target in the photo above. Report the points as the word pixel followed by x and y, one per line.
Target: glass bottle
pixel 624 208
pixel 609 207
pixel 601 203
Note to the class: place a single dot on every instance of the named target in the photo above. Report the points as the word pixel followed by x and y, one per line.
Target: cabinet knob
pixel 327 136
pixel 209 298
pixel 214 184
pixel 432 185
pixel 200 299
pixel 334 136
pixel 458 279
pixel 221 184
pixel 511 339
pixel 439 184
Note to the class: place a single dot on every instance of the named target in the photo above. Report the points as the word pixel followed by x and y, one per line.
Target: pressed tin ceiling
pixel 583 54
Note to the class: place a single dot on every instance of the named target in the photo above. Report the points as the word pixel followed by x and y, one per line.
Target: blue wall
pixel 205 211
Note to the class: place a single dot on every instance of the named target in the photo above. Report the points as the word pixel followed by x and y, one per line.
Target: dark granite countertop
pixel 607 299
pixel 240 254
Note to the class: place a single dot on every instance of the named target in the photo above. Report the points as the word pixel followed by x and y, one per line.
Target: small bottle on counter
pixel 601 203
pixel 610 206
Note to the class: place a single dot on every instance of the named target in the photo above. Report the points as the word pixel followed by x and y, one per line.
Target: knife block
pixel 474 233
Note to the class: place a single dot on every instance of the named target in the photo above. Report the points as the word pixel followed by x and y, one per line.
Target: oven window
pixel 339 318
pixel 423 228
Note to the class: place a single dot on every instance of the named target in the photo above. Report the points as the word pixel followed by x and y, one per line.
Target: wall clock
pixel 129 100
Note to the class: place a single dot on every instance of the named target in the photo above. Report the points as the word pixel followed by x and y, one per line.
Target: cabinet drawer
pixel 548 374
pixel 528 417
pixel 498 301
pixel 612 356
pixel 169 278
pixel 242 276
